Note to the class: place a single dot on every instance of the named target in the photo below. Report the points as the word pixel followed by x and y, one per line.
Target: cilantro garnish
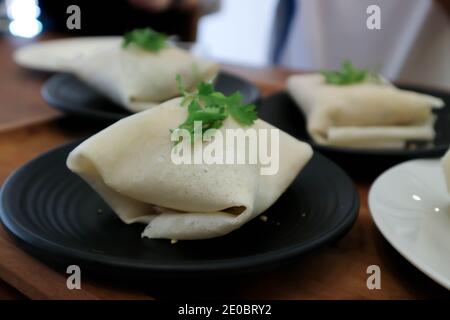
pixel 146 38
pixel 212 108
pixel 348 74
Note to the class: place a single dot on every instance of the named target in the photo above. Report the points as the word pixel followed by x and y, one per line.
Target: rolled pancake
pixel 365 114
pixel 446 167
pixel 129 164
pixel 137 79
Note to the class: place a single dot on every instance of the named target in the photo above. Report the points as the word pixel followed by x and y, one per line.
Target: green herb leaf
pixel 348 74
pixel 243 114
pixel 212 108
pixel 205 89
pixel 146 38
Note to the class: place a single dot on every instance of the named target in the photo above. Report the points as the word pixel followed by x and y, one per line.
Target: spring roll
pixel 445 161
pixel 366 114
pixel 138 79
pixel 129 164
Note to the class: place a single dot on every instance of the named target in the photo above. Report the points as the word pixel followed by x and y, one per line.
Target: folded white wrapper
pixel 363 115
pixel 445 161
pixel 129 165
pixel 137 79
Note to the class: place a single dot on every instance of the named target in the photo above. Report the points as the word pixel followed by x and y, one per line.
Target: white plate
pixel 57 55
pixel 410 205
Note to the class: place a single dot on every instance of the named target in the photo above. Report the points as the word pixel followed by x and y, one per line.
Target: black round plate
pixel 71 95
pixel 55 214
pixel 282 111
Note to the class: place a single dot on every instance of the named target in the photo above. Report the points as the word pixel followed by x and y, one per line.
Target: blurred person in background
pixel 413 43
pixel 113 17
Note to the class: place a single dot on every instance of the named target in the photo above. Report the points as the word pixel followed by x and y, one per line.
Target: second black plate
pixel 67 93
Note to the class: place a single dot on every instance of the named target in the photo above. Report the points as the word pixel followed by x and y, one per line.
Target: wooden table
pixel 28 127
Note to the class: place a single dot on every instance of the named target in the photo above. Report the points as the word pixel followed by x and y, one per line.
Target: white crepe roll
pixel 137 79
pixel 129 165
pixel 446 167
pixel 363 115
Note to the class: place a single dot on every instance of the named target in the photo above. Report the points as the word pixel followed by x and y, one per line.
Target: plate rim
pixel 218 265
pixel 416 262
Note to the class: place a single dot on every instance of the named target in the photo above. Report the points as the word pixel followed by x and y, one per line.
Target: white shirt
pixel 412 45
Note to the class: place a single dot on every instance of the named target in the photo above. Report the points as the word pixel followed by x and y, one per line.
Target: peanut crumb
pixel 263 218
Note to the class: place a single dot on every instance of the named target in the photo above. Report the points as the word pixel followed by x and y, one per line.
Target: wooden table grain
pixel 28 127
